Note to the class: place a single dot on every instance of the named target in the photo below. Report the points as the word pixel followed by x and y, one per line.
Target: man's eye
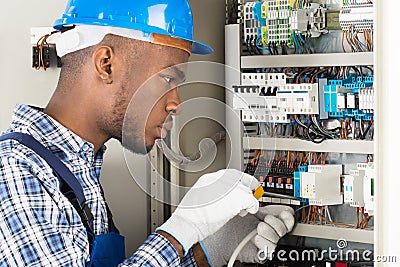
pixel 168 79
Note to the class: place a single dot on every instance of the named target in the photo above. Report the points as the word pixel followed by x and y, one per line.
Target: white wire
pixel 329 214
pixel 240 247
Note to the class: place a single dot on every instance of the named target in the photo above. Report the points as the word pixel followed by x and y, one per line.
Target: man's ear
pixel 103 58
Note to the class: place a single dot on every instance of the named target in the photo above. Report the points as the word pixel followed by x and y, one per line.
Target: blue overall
pixel 107 250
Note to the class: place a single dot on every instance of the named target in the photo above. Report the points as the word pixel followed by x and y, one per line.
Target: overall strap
pixel 69 185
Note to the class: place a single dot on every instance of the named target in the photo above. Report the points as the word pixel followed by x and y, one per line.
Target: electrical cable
pixel 248 46
pixel 182 160
pixel 368 68
pixel 314 138
pixel 251 43
pixel 270 48
pixel 233 12
pixel 241 245
pixel 296 44
pixel 324 131
pixel 275 48
pixel 254 46
pixel 260 47
pixel 319 72
pixel 304 49
pixel 309 47
pixel 364 135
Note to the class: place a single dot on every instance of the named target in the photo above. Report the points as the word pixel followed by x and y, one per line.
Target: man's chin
pixel 138 148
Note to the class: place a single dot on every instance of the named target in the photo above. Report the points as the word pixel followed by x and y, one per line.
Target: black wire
pixel 297 74
pixel 323 132
pixel 347 72
pixel 233 16
pixel 270 48
pixel 275 48
pixel 284 48
pixel 366 131
pixel 303 45
pixel 251 45
pixel 333 72
pixel 314 139
pixel 310 134
pixel 368 68
pixel 255 47
pixel 308 40
pixel 248 46
pixel 356 70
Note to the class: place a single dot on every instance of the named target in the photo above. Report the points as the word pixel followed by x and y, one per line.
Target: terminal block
pixel 250 24
pixel 358 16
pixel 45 58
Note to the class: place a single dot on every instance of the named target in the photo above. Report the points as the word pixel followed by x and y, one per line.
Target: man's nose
pixel 174 103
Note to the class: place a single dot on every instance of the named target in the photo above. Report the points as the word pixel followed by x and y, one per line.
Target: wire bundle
pixel 314 131
pixel 355 44
pixel 319 215
pixel 42 45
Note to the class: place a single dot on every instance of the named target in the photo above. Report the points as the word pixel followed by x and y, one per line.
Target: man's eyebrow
pixel 178 72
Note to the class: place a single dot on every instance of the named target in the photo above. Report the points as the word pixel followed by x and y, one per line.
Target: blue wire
pixel 299 45
pixel 260 47
pixel 302 40
pixel 301 208
pixel 296 47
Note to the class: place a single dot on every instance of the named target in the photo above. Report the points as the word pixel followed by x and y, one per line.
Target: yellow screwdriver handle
pixel 258 192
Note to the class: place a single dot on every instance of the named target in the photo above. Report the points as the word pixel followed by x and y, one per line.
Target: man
pixel 53 211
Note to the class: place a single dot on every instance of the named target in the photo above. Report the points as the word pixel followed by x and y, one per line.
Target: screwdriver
pixel 258 192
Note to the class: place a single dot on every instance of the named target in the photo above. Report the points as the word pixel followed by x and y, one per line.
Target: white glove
pixel 272 222
pixel 213 200
pixel 278 220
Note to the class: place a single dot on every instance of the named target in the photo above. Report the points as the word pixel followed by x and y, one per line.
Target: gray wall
pixel 21 84
pixel 209 18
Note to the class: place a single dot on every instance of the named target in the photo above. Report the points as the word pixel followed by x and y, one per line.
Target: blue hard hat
pixel 168 17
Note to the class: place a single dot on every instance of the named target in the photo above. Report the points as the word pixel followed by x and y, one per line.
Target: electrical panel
pixel 305 97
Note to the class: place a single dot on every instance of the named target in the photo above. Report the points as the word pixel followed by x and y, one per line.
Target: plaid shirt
pixel 38 225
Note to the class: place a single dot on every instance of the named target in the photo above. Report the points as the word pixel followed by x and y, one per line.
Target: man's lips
pixel 167 125
pixel 164 128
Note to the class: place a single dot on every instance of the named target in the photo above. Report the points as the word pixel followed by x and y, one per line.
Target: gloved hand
pixel 272 222
pixel 213 200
